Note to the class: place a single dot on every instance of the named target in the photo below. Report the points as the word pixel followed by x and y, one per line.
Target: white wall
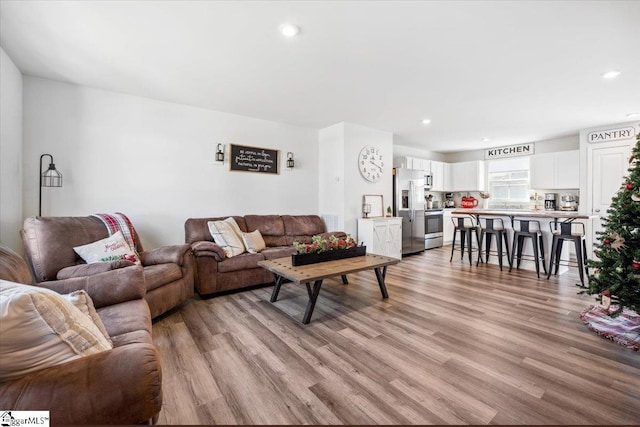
pixel 571 142
pixel 154 160
pixel 10 153
pixel 331 175
pixel 340 146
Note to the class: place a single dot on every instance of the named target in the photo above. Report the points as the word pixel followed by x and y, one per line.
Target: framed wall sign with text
pixel 254 159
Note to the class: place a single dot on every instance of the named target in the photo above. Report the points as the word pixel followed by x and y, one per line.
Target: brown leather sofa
pixel 216 273
pixel 49 241
pixel 118 386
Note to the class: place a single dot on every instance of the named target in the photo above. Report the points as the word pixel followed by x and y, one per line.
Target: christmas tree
pixel 617 267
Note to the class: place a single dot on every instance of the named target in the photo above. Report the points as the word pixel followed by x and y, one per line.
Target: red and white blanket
pixel 624 329
pixel 119 222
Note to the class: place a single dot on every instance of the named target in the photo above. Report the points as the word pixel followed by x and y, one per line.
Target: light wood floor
pixel 453 344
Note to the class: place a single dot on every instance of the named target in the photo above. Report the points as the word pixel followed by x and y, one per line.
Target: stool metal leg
pixel 544 264
pixel 520 245
pixel 499 247
pixel 506 245
pixel 558 254
pixel 453 244
pixel 488 246
pixel 553 256
pixel 584 254
pixel 513 250
pixel 579 256
pixel 469 240
pixel 482 234
pixel 536 256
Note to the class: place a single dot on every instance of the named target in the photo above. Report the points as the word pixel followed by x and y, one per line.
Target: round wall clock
pixel 370 163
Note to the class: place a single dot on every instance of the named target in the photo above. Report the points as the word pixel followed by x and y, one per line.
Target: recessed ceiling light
pixel 633 115
pixel 610 74
pixel 289 30
pixel 426 121
pixel 485 140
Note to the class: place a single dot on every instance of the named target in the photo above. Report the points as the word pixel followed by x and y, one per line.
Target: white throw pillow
pixel 83 302
pixel 112 248
pixel 254 242
pixel 227 235
pixel 41 329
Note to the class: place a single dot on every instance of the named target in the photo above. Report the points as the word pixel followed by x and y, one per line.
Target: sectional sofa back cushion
pixel 271 228
pixel 49 242
pixel 301 228
pixel 276 230
pixel 41 329
pixel 197 229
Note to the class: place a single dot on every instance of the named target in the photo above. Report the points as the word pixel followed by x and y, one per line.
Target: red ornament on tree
pixel 636 265
pixel 606 241
pixel 629 186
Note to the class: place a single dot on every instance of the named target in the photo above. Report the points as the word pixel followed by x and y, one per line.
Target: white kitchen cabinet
pixel 448 185
pixel 447 227
pixel 422 164
pixel 408 162
pixel 567 173
pixel 425 165
pixel 542 168
pixel 437 171
pixel 466 176
pixel 381 236
pixel 555 171
pixel 416 163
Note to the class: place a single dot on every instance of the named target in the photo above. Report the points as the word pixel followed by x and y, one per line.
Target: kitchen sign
pixel 611 135
pixel 511 151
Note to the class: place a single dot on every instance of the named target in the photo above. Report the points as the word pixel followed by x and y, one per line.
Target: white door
pixel 609 166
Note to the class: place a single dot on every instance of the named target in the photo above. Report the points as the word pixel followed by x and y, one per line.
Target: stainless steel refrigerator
pixel 408 203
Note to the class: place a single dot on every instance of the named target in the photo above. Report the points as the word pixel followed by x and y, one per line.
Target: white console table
pixel 381 236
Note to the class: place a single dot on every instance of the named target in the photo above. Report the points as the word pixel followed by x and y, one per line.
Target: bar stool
pixel 466 226
pixel 572 231
pixel 491 227
pixel 527 228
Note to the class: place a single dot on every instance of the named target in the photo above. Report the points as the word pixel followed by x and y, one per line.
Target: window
pixel 509 182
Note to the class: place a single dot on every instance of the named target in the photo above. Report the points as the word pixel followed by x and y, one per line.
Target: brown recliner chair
pixel 118 386
pixel 49 242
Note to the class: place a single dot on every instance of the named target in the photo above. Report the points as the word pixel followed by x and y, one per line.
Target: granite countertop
pixel 524 213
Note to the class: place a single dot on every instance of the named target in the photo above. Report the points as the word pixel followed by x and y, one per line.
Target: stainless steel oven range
pixel 433 228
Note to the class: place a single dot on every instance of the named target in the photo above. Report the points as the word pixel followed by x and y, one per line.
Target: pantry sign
pixel 510 151
pixel 611 134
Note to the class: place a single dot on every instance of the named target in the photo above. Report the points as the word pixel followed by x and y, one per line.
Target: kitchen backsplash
pixel 439 197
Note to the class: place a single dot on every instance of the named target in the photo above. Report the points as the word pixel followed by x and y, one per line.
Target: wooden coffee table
pixel 316 273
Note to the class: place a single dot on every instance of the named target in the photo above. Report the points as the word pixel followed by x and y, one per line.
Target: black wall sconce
pixel 220 153
pixel 290 162
pixel 49 178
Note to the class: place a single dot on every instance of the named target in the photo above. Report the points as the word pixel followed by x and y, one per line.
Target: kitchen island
pixel 544 217
pixel 521 213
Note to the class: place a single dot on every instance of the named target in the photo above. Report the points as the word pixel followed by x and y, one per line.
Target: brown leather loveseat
pixel 216 273
pixel 122 385
pixel 49 241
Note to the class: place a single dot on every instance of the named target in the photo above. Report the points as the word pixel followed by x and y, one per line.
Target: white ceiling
pixel 513 72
